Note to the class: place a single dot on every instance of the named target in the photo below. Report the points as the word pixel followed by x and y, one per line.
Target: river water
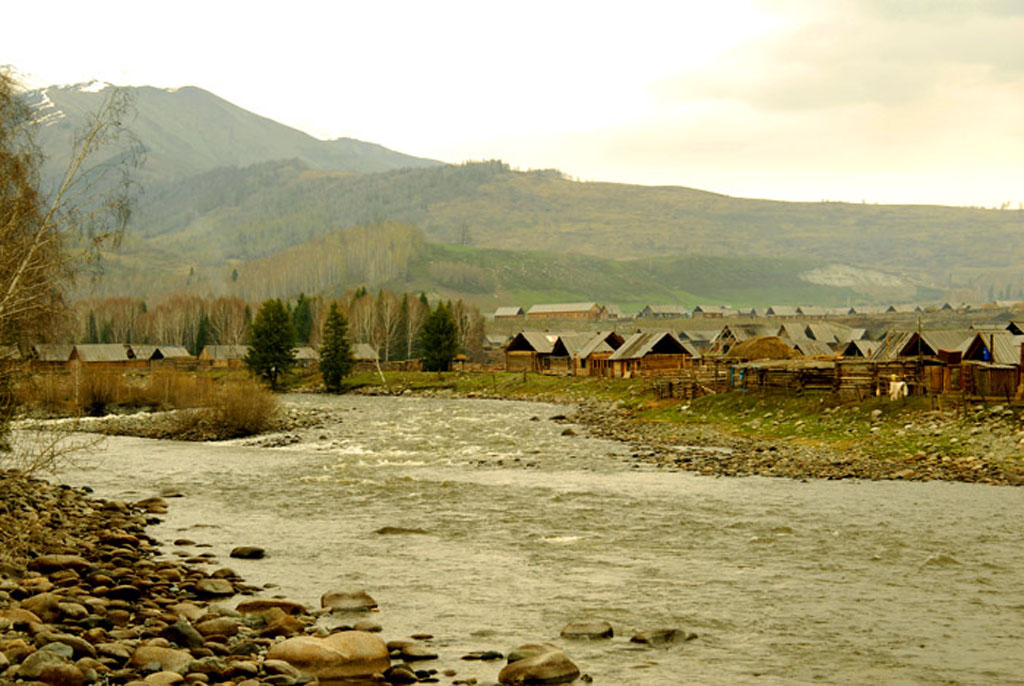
pixel 830 582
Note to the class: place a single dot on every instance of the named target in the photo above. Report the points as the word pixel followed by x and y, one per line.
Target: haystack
pixel 762 348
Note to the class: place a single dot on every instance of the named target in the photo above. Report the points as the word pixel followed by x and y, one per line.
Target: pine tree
pixel 202 335
pixel 302 319
pixel 439 340
pixel 92 332
pixel 272 342
pixel 336 359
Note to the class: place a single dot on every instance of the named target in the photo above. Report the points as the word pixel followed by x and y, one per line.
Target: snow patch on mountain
pixel 847 276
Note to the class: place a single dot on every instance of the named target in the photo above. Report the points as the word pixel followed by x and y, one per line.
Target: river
pixel 784 582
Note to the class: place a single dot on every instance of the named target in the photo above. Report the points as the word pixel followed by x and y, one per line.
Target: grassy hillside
pixel 240 214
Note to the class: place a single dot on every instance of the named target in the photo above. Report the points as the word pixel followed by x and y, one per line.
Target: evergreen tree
pixel 336 359
pixel 272 342
pixel 202 338
pixel 107 332
pixel 92 332
pixel 439 340
pixel 302 319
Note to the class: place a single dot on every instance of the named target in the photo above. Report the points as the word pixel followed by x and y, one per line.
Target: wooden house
pixel 564 352
pixel 506 313
pixel 923 344
pixel 50 356
pixel 529 351
pixel 105 356
pixel 591 357
pixel 306 357
pixel 663 312
pixel 812 311
pixel 782 311
pixel 653 353
pixel 223 356
pixel 588 310
pixel 860 347
pixel 714 311
pixel 701 339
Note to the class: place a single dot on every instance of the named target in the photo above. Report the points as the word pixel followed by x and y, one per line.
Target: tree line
pixel 387 321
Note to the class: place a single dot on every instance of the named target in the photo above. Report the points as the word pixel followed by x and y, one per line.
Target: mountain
pixel 224 188
pixel 187 131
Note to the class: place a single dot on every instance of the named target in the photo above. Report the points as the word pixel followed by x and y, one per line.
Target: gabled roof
pixel 665 311
pixel 306 352
pixel 52 352
pixel 792 331
pixel 364 352
pixel 859 347
pixel 1001 348
pixel 904 308
pixel 224 352
pixel 145 351
pixel 103 352
pixel 723 310
pixel 699 335
pixel 809 348
pixel 783 311
pixel 929 343
pixel 823 333
pixel 869 309
pixel 613 311
pixel 535 341
pixel 569 344
pixel 601 342
pixel 515 311
pixel 562 307
pixel 658 342
pixel 812 310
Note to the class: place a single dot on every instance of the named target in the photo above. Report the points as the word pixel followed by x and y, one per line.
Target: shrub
pixel 242 408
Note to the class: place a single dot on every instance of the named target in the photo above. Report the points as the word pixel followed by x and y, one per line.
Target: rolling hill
pixel 225 187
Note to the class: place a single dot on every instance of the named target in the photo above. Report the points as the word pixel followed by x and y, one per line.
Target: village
pixel 955 352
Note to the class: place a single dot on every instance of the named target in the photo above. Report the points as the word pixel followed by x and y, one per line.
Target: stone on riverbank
pixel 347 601
pixel 588 629
pixel 248 552
pixel 538 663
pixel 344 655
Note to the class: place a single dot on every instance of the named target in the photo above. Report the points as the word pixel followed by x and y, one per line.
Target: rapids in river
pixel 526 529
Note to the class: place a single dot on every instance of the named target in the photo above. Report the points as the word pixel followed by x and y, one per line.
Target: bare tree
pixel 46 239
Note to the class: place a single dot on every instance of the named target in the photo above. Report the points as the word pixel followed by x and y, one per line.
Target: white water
pixel 785 582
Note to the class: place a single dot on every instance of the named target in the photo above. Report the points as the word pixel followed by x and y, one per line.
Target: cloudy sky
pixel 906 101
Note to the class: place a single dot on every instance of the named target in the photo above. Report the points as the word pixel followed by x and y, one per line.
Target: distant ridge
pixel 189 130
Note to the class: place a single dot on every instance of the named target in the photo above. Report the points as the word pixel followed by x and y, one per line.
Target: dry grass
pixel 243 408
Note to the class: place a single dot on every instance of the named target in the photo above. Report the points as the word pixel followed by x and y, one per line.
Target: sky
pixel 878 101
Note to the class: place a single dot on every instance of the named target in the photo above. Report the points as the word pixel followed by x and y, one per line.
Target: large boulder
pixel 169 659
pixel 540 664
pixel 345 655
pixel 55 563
pixel 260 605
pixel 588 629
pixel 342 601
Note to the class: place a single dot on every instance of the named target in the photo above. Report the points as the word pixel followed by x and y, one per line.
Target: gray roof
pixel 599 344
pixel 144 351
pixel 104 352
pixel 809 348
pixel 904 343
pixel 364 352
pixel 571 343
pixel 508 311
pixel 642 344
pixel 52 352
pixel 225 352
pixel 823 333
pixel 859 347
pixel 665 311
pixel 812 310
pixel 539 341
pixel 1006 348
pixel 783 311
pixel 562 307
pixel 699 335
pixel 306 352
pixel 792 331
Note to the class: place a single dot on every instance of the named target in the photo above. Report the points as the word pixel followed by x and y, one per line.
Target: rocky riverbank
pixel 86 598
pixel 994 441
pixel 988 442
